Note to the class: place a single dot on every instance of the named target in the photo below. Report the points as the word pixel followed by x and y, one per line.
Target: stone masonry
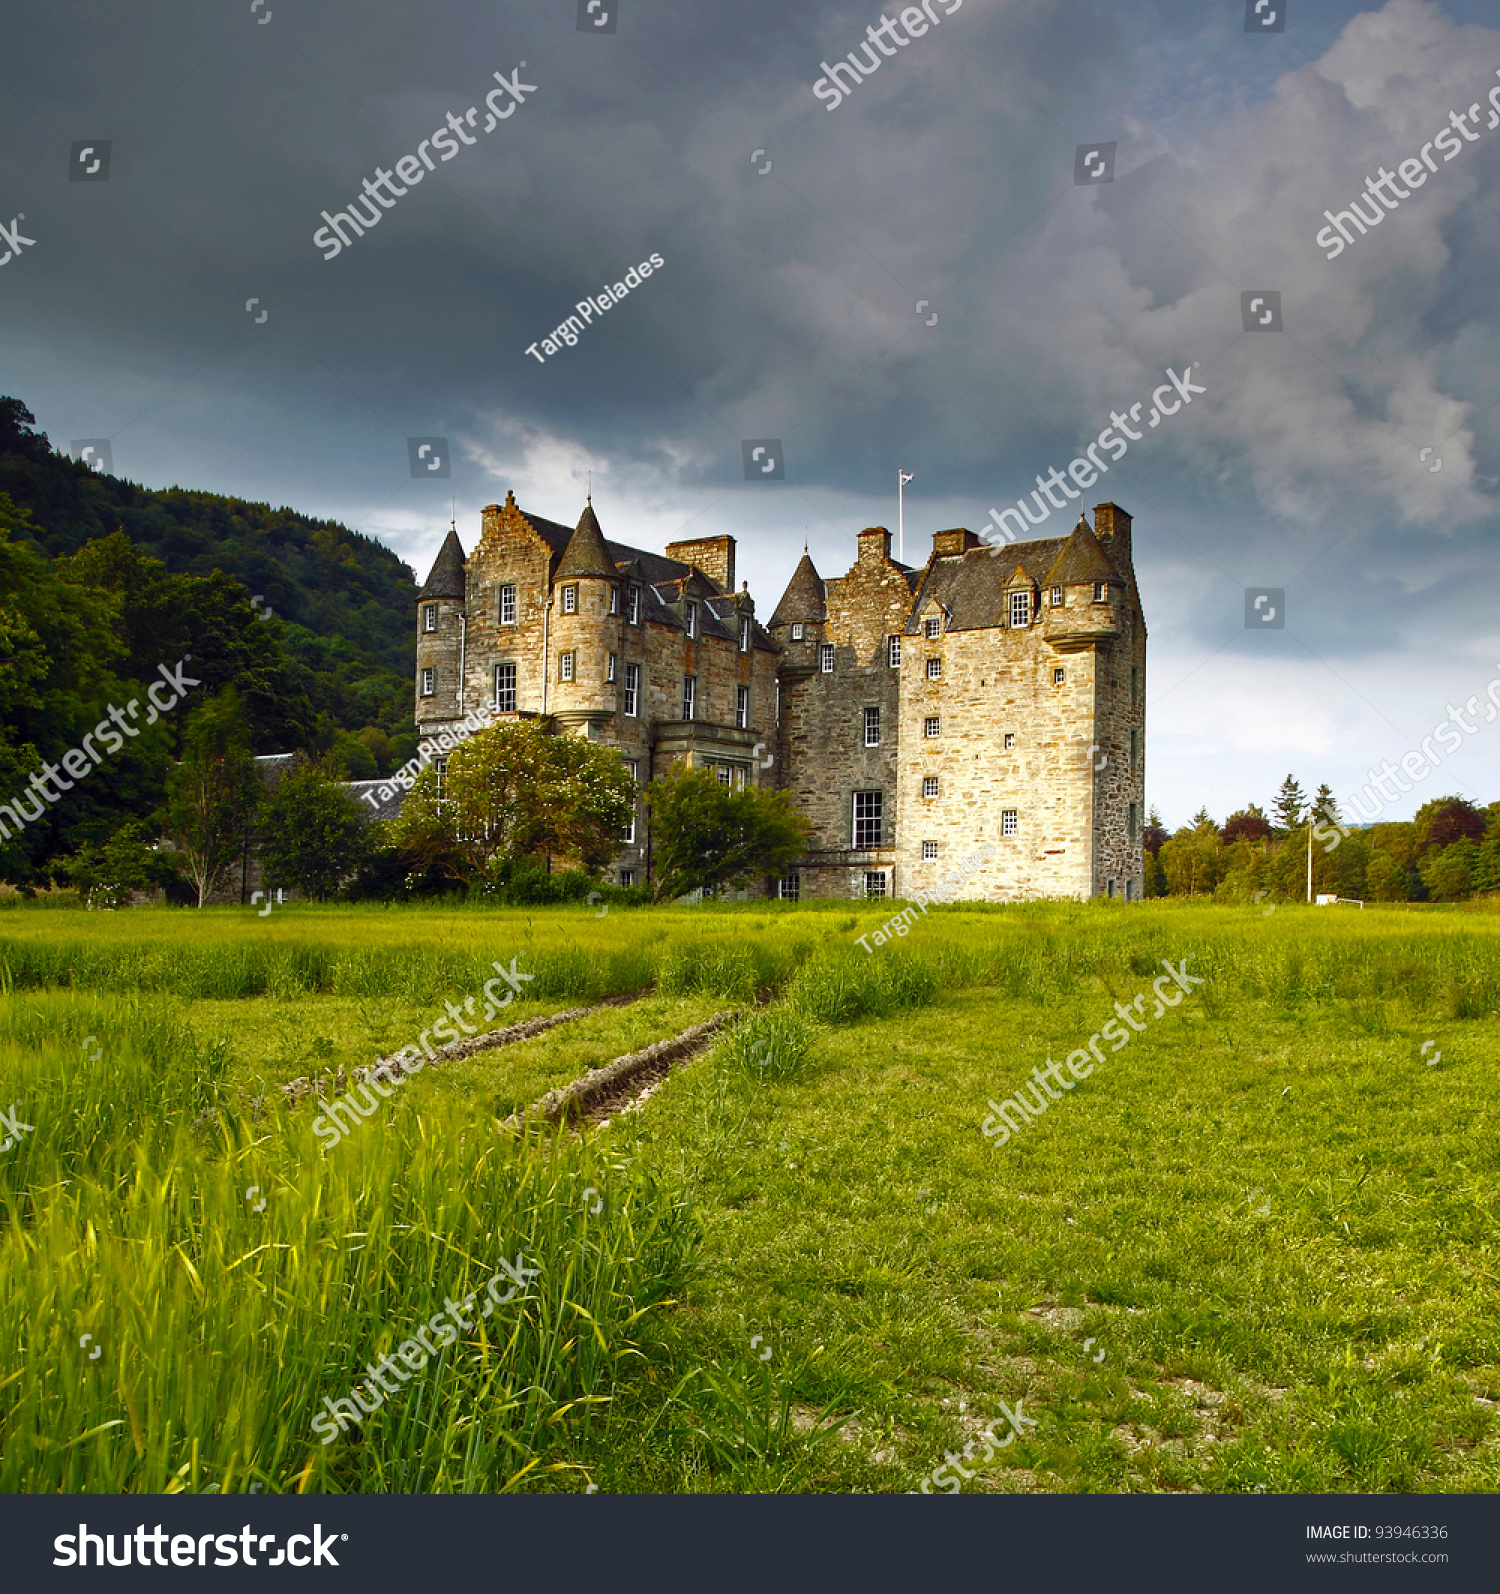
pixel 993 699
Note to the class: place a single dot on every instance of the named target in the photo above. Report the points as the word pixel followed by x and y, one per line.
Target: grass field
pixel 1253 1250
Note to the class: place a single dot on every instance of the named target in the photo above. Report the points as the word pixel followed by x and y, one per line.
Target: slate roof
pixel 805 598
pixel 375 807
pixel 971 586
pixel 585 554
pixel 446 579
pixel 1082 559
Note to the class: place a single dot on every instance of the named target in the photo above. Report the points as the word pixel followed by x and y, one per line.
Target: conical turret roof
pixel 446 579
pixel 585 554
pixel 804 598
pixel 1082 559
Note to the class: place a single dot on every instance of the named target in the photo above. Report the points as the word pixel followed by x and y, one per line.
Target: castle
pixel 995 698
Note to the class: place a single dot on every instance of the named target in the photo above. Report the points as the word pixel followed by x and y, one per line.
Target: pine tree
pixel 1290 805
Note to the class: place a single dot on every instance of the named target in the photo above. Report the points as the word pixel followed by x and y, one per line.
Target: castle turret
pixel 586 624
pixel 440 636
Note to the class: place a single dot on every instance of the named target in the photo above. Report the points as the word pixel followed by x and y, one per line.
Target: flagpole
pixel 902 477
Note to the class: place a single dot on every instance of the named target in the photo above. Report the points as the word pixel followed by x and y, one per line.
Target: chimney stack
pixel 1112 528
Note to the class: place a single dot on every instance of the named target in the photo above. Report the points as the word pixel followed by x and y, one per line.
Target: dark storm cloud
pixel 787 305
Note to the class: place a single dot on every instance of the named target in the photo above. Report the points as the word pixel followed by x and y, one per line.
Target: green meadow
pixel 1254 1250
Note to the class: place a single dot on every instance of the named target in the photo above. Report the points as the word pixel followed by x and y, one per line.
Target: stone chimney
pixel 952 542
pixel 1112 528
pixel 874 543
pixel 714 556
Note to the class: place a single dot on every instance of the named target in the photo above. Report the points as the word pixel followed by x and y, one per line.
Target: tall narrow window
pixel 565 666
pixel 427 678
pixel 633 606
pixel 1135 750
pixel 872 727
pixel 796 630
pixel 1057 597
pixel 429 617
pixel 868 809
pixel 1101 592
pixel 692 619
pixel 633 769
pixel 893 652
pixel 1020 608
pixel 505 688
pixel 689 695
pixel 507 605
pixel 825 658
pixel 614 600
pixel 1059 675
pixel 934 669
pixel 932 726
pixel 632 690
pixel 1133 821
pixel 1135 683
pixel 570 600
pixel 742 707
pixel 744 633
pixel 627 877
pixel 1010 740
pixel 929 785
pixel 610 667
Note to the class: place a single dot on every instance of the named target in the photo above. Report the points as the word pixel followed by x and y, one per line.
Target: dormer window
pixel 633 606
pixel 1101 592
pixel 796 631
pixel 934 628
pixel 691 613
pixel 570 600
pixel 1056 598
pixel 1020 608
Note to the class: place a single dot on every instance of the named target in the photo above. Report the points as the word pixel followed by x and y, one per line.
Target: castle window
pixel 440 765
pixel 630 833
pixel 1101 592
pixel 1056 598
pixel 689 695
pixel 611 666
pixel 627 877
pixel 742 707
pixel 868 807
pixel 724 774
pixel 1010 740
pixel 929 785
pixel 570 600
pixel 796 631
pixel 1020 608
pixel 692 619
pixel 872 727
pixel 789 888
pixel 933 628
pixel 1135 749
pixel 429 617
pixel 633 609
pixel 934 669
pixel 505 688
pixel 565 666
pixel 507 606
pixel 1059 675
pixel 1130 890
pixel 874 882
pixel 1135 683
pixel 427 686
pixel 744 633
pixel 929 852
pixel 633 766
pixel 893 652
pixel 932 726
pixel 614 600
pixel 1133 822
pixel 1008 821
pixel 825 658
pixel 632 690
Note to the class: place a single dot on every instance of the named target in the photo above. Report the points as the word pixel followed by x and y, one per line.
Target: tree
pixel 1289 805
pixel 705 834
pixel 1203 820
pixel 1324 805
pixel 1448 872
pixel 1193 862
pixel 213 793
pixel 108 876
pixel 1387 879
pixel 1443 821
pixel 313 836
pixel 1249 824
pixel 516 791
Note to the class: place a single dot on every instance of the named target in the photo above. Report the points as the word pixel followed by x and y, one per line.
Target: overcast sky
pixel 786 306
